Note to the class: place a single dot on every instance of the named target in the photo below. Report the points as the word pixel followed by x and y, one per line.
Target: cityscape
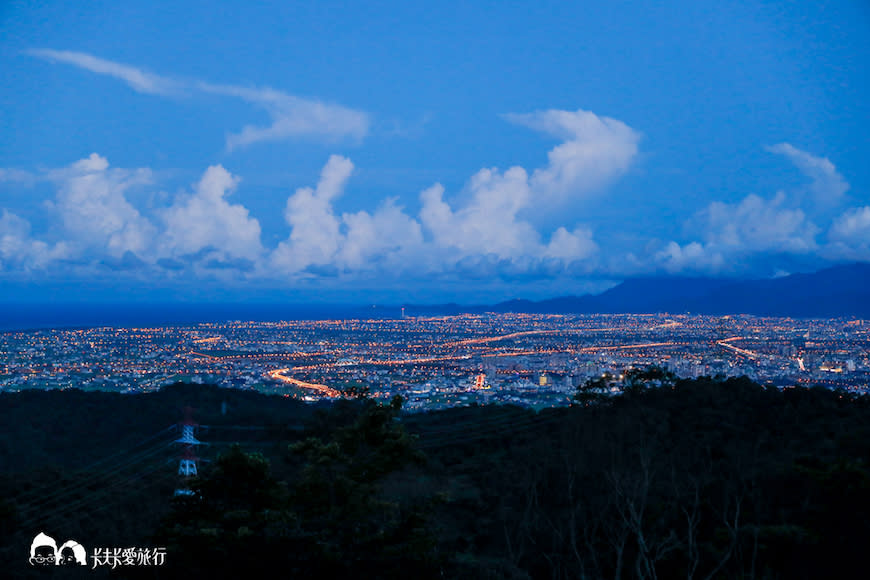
pixel 534 360
pixel 435 290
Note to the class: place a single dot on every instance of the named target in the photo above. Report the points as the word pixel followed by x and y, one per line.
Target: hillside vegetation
pixel 706 478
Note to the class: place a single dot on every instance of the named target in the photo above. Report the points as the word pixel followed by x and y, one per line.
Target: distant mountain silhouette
pixel 832 292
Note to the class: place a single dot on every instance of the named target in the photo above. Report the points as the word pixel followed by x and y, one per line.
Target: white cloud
pixel 692 256
pixel 205 220
pixel 314 238
pixel 355 242
pixel 494 221
pixel 571 246
pixel 482 231
pixel 292 117
pixel 16 176
pixel 101 225
pixel 19 251
pixel 853 224
pixel 849 235
pixel 758 225
pixel 388 238
pixel 487 223
pixel 827 184
pixel 733 232
pixel 385 240
pixel 595 151
pixel 95 211
pixel 139 80
pixel 736 237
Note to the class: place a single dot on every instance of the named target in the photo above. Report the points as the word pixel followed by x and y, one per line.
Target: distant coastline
pixel 40 316
pixel 836 292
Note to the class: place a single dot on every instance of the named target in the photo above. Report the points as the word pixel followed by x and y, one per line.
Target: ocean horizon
pixel 41 316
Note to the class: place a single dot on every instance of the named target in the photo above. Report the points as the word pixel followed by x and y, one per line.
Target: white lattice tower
pixel 187 464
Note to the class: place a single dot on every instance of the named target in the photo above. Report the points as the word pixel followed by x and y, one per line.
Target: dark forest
pixel 704 478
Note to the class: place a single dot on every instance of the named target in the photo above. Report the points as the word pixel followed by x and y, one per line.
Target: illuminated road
pixel 281 374
pixel 324 390
pixel 501 337
pixel 377 362
pixel 732 348
pixel 626 346
pixel 669 324
pixel 584 350
pixel 486 339
pixel 256 355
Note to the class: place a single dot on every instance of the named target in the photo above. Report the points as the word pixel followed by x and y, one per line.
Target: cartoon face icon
pixel 71 552
pixel 67 557
pixel 43 550
pixel 44 555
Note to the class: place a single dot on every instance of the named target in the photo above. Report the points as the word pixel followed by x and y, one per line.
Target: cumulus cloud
pixel 292 116
pixel 482 231
pixel 571 246
pixel 492 216
pixel 827 185
pixel 19 251
pixel 731 232
pixel 382 239
pixel 734 237
pixel 692 256
pixel 849 235
pixel 854 224
pixel 205 220
pixel 319 239
pixel 95 212
pixel 314 238
pixel 758 224
pixel 487 223
pixel 100 225
pixel 595 150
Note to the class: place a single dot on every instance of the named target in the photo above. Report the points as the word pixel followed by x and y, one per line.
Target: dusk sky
pixel 425 152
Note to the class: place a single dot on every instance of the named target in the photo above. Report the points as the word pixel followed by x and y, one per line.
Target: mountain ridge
pixel 838 291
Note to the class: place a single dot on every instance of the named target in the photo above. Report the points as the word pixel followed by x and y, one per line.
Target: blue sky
pixel 402 151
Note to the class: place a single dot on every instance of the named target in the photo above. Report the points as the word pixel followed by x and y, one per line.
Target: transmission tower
pixel 188 460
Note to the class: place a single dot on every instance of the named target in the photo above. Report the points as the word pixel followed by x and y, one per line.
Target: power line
pixel 39 491
pixel 84 483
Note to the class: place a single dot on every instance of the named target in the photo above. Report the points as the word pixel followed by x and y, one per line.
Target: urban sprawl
pixel 436 362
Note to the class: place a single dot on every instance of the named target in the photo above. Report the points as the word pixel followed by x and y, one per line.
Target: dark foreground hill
pixel 703 479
